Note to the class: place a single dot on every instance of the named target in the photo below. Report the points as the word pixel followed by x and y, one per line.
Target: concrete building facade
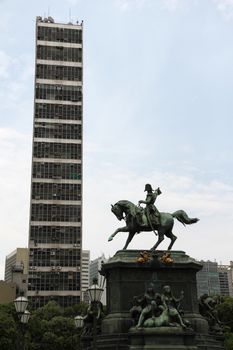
pixel 16 259
pixel 16 270
pixel 85 274
pixel 208 279
pixel 55 233
pixel 225 279
pixel 7 292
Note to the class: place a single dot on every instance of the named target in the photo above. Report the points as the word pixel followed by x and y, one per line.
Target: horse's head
pixel 116 209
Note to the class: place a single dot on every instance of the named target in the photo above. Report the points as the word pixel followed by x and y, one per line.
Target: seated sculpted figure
pixel 151 212
pixel 155 310
pixel 207 308
pixel 150 304
pixel 172 304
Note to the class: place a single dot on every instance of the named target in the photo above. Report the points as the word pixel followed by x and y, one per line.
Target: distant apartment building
pixel 7 292
pixel 16 270
pixel 208 279
pixel 55 235
pixel 18 257
pixel 85 273
pixel 225 279
pixel 95 267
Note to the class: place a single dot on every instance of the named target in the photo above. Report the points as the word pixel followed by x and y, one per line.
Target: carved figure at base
pixel 155 310
pixel 173 306
pixel 151 305
pixel 207 308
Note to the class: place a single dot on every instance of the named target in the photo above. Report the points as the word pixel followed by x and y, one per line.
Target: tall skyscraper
pixel 55 237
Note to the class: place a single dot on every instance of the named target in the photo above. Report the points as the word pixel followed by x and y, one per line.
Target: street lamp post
pixel 23 315
pixel 95 293
pixel 78 320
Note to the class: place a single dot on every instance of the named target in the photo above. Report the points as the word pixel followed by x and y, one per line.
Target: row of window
pixel 54 257
pixel 56 111
pixel 63 301
pixel 59 92
pixel 57 150
pixel 59 53
pixel 56 171
pixel 53 234
pixel 54 281
pixel 48 71
pixel 59 34
pixel 53 191
pixel 53 212
pixel 55 130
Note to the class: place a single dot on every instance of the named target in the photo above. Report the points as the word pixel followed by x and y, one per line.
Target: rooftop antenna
pixel 48 11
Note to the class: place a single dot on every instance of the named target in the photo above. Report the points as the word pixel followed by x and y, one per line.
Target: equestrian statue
pixel 140 219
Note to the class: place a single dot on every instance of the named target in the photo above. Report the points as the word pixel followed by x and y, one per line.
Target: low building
pixel 7 292
pixel 16 269
pixel 18 257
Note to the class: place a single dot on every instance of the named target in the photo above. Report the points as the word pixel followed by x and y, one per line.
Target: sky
pixel 158 108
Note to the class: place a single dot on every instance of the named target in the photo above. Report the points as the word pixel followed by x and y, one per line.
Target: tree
pixel 8 328
pixel 52 327
pixel 225 312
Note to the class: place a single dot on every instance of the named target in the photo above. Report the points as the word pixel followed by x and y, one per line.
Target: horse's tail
pixel 181 216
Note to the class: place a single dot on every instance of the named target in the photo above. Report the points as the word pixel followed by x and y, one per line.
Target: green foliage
pixel 8 329
pixel 228 343
pixel 225 312
pixel 50 327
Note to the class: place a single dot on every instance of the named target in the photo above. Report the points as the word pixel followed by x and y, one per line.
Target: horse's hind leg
pixel 172 238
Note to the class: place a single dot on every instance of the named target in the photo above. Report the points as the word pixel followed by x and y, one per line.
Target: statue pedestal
pixel 163 338
pixel 126 278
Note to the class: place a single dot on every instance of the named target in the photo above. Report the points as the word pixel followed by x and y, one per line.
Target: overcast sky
pixel 158 108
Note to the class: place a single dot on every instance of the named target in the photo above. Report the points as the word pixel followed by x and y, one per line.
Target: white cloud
pixel 226 8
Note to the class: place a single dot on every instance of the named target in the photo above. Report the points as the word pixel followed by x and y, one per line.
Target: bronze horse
pixel 129 212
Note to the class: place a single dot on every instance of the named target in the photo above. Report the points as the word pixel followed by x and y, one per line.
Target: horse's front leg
pixel 120 229
pixel 129 239
pixel 160 239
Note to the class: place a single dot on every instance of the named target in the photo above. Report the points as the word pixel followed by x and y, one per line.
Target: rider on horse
pixel 151 211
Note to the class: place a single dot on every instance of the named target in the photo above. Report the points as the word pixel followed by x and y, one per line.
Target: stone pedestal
pixel 127 278
pixel 164 338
